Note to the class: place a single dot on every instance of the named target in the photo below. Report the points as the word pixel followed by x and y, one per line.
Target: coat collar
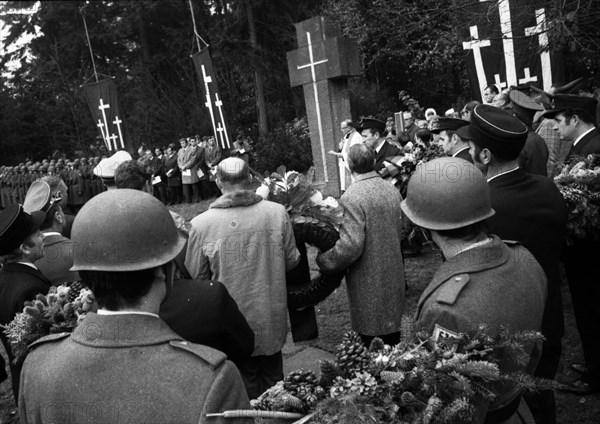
pixel 584 140
pixel 54 239
pixel 122 331
pixel 235 199
pixel 488 256
pixel 367 176
pixel 15 267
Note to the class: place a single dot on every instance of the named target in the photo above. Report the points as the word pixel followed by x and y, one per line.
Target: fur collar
pixel 236 198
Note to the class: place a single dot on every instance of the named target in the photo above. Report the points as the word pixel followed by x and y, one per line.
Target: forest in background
pixel 412 46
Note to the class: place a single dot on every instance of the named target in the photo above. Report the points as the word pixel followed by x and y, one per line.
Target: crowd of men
pixel 192 322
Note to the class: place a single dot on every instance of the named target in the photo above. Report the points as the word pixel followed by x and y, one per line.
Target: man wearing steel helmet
pixel 124 364
pixel 484 280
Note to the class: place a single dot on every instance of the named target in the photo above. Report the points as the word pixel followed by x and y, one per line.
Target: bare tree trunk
pixel 263 126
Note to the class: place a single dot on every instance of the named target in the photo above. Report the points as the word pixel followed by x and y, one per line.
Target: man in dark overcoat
pixel 372 131
pixel 450 139
pixel 575 119
pixel 369 248
pixel 20 280
pixel 483 280
pixel 123 363
pixel 529 209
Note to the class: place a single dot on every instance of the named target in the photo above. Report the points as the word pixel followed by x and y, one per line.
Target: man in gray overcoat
pixel 369 248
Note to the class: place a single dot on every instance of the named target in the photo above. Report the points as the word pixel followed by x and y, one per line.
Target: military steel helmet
pixel 124 230
pixel 447 193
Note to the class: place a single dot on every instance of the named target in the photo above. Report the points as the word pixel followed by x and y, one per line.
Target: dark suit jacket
pixel 464 154
pixel 588 144
pixel 534 156
pixel 171 163
pixel 204 312
pixel 58 258
pixel 18 283
pixel 387 150
pixel 530 209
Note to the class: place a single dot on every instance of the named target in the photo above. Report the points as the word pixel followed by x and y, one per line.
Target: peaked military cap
pixel 39 197
pixel 564 102
pixel 372 124
pixel 106 167
pixel 16 225
pixel 449 123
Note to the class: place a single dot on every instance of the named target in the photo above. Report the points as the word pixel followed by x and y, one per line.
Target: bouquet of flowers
pixel 579 183
pixel 423 379
pixel 61 310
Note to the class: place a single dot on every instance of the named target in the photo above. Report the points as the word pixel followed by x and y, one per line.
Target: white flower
pixel 263 191
pixel 330 202
pixel 317 198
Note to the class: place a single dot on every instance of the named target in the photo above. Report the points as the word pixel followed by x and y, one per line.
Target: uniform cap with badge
pixel 106 167
pixel 563 102
pixel 496 130
pixel 447 123
pixel 372 124
pixel 16 225
pixel 447 193
pixel 524 106
pixel 39 197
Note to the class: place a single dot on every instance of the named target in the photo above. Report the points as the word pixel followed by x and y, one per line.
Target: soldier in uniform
pixel 123 363
pixel 450 139
pixel 484 280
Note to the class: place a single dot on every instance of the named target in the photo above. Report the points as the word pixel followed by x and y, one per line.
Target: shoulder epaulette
pixel 449 291
pixel 50 338
pixel 212 356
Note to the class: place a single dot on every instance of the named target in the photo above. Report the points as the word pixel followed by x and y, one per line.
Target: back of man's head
pixel 131 174
pixel 361 159
pixel 233 171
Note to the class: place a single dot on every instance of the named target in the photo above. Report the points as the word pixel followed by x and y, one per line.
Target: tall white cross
pixel 102 108
pixel 219 105
pixel 313 74
pixel 476 44
pixel 118 123
pixel 100 125
pixel 112 141
pixel 541 31
pixel 528 77
pixel 501 84
pixel 507 42
pixel 220 130
pixel 208 103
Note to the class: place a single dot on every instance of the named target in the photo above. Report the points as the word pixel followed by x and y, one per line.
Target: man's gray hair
pixel 233 171
pixel 361 158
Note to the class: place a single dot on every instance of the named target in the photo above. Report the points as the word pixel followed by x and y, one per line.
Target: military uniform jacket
pixel 534 156
pixel 369 247
pixel 57 260
pixel 494 284
pixel 530 209
pixel 203 312
pixel 463 154
pixel 589 144
pixel 127 369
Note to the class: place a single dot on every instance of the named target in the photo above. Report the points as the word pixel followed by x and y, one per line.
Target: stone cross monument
pixel 322 64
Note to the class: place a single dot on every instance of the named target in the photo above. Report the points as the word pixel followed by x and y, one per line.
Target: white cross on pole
pixel 219 104
pixel 476 44
pixel 208 103
pixel 101 126
pixel 312 65
pixel 220 130
pixel 527 77
pixel 112 141
pixel 118 123
pixel 507 42
pixel 499 82
pixel 102 108
pixel 541 30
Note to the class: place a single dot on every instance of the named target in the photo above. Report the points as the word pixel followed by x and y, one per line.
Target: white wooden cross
pixel 101 126
pixel 476 44
pixel 541 31
pixel 499 82
pixel 220 131
pixel 507 42
pixel 112 141
pixel 118 123
pixel 528 77
pixel 313 74
pixel 102 108
pixel 208 103
pixel 219 105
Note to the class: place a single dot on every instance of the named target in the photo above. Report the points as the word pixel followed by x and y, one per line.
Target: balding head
pixel 233 172
pixel 361 158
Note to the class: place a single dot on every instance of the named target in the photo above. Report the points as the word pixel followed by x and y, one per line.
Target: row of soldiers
pixel 77 174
